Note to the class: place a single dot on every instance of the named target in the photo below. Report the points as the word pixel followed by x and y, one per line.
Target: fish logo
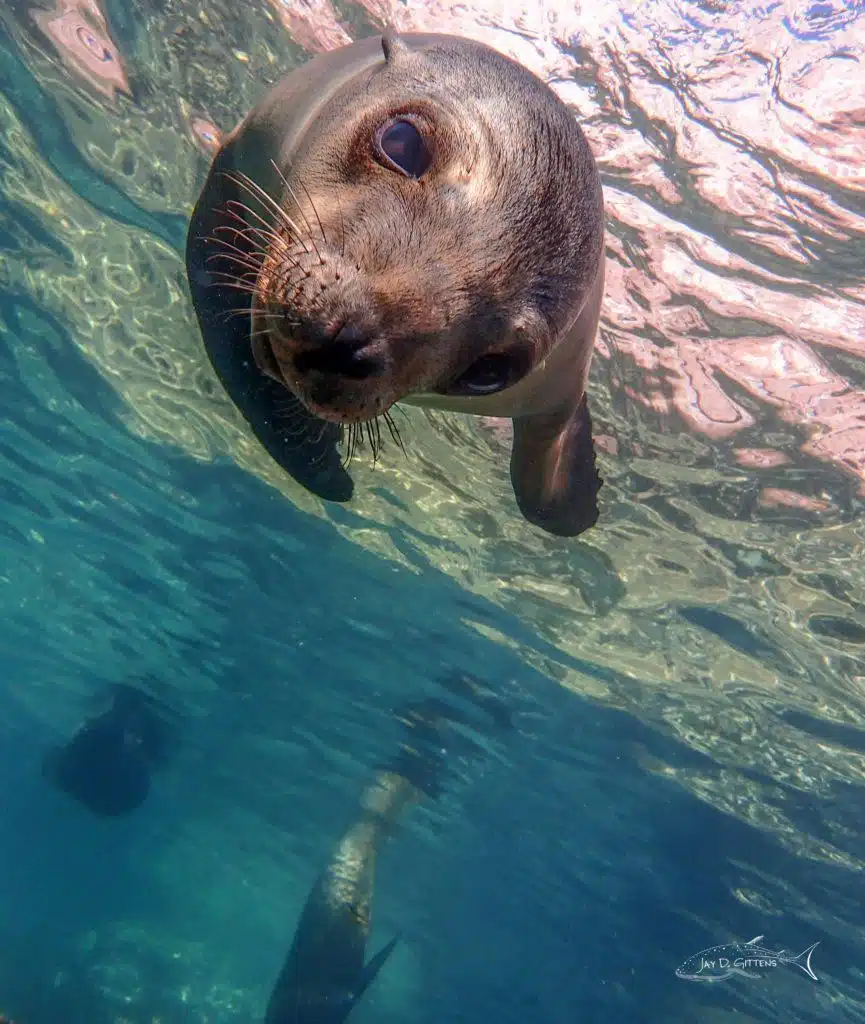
pixel 749 959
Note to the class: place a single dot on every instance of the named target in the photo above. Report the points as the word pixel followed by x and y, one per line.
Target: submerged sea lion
pixel 108 764
pixel 412 219
pixel 324 975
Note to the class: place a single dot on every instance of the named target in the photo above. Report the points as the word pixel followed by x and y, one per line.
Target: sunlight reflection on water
pixel 720 597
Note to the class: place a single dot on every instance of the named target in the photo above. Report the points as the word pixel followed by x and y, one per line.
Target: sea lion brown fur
pixel 410 219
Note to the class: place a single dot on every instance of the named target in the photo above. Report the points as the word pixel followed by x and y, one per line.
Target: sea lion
pixel 324 975
pixel 413 219
pixel 108 764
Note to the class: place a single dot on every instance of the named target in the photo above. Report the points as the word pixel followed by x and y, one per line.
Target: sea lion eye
pixel 399 145
pixel 490 373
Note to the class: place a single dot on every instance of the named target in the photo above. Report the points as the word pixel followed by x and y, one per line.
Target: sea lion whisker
pixel 236 255
pixel 298 427
pixel 273 316
pixel 249 310
pixel 262 229
pixel 294 430
pixel 238 261
pixel 265 254
pixel 377 443
pixel 258 254
pixel 284 279
pixel 288 409
pixel 255 190
pixel 398 409
pixel 345 442
pixel 246 230
pixel 227 275
pixel 394 431
pixel 296 440
pixel 302 212
pixel 256 234
pixel 348 438
pixel 357 435
pixel 293 418
pixel 315 211
pixel 250 233
pixel 369 437
pixel 319 458
pixel 231 208
pixel 289 413
pixel 322 430
pixel 265 237
pixel 237 285
pixel 233 314
pixel 295 423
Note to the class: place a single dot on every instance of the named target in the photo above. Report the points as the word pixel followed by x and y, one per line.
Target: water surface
pixel 686 681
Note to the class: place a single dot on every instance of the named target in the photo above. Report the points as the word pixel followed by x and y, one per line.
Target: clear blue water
pixel 686 689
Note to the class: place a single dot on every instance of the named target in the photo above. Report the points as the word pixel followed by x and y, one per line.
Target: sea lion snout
pixel 317 326
pixel 350 352
pixel 348 339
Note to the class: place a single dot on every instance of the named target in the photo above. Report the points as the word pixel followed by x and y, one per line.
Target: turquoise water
pixel 685 684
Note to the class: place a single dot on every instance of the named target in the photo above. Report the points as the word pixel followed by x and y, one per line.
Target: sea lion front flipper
pixel 302 444
pixel 370 971
pixel 553 470
pixel 305 446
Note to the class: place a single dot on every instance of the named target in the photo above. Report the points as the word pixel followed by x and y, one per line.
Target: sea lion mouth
pixel 326 376
pixel 340 398
pixel 341 374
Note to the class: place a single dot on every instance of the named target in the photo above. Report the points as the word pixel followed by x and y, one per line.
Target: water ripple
pixel 706 637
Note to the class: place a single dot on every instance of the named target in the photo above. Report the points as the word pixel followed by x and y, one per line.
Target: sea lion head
pixel 435 229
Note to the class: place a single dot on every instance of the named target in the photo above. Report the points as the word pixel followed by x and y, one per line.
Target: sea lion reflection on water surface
pixel 410 219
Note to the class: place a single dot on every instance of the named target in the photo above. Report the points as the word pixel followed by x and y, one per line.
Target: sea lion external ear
pixel 392 46
pixel 553 470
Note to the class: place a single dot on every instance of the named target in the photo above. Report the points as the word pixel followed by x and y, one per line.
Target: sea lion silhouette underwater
pixel 412 219
pixel 324 975
pixel 108 764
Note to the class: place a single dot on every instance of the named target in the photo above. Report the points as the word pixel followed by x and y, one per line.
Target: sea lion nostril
pixel 349 335
pixel 350 353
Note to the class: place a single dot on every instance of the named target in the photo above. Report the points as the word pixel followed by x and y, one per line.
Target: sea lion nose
pixel 350 338
pixel 350 352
